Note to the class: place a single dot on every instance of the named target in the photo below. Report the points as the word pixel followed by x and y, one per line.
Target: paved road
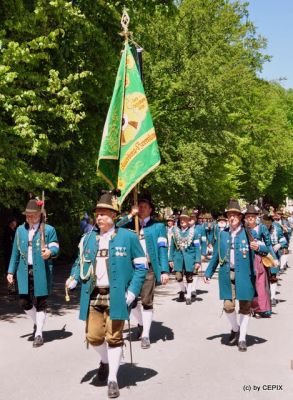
pixel 187 359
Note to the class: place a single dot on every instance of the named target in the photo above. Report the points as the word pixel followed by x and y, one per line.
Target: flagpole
pixel 125 19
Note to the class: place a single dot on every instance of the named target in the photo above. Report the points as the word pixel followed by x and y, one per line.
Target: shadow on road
pixel 158 332
pixel 50 336
pixel 250 340
pixel 10 309
pixel 128 375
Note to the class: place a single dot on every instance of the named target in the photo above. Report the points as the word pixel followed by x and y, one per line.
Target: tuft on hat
pixel 33 206
pixel 109 200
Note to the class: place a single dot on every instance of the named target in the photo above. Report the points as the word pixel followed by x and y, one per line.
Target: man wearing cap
pixel 233 254
pixel 153 239
pixel 111 268
pixel 31 262
pixel 185 255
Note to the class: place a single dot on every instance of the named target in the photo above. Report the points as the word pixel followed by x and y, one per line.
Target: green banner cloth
pixel 129 149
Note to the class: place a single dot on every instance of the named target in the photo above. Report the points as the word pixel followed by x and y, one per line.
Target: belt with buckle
pixel 98 290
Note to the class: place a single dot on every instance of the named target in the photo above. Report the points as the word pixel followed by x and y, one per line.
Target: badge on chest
pixel 120 251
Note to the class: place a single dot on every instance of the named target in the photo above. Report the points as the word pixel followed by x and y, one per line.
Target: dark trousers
pixel 27 301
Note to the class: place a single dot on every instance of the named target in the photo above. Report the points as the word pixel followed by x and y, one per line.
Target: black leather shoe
pixel 233 338
pixel 103 371
pixel 113 390
pixel 38 341
pixel 181 297
pixel 139 331
pixel 242 346
pixel 188 302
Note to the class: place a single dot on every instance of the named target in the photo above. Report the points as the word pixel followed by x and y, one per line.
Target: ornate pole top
pixel 125 20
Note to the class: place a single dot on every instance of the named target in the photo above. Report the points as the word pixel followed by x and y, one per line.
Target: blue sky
pixel 274 21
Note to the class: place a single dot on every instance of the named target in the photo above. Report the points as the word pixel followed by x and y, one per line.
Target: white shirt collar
pixel 34 227
pixel 144 221
pixel 234 233
pixel 109 232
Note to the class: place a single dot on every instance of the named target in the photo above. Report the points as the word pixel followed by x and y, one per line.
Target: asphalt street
pixel 188 358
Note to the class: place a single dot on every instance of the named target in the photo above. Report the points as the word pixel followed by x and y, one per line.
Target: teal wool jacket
pixel 244 271
pixel 156 244
pixel 186 256
pixel 42 269
pixel 127 270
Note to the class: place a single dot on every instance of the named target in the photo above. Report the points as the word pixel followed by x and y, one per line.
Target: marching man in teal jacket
pixel 185 255
pixel 33 266
pixel 111 268
pixel 234 255
pixel 153 239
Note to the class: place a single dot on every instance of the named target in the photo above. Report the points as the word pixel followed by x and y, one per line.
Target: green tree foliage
pixel 222 130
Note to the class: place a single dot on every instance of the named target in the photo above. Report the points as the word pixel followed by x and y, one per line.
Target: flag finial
pixel 125 20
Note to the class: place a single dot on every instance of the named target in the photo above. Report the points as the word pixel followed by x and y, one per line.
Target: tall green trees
pixel 222 130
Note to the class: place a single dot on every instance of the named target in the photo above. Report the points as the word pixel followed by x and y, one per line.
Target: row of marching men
pixel 191 239
pixel 115 267
pixel 249 252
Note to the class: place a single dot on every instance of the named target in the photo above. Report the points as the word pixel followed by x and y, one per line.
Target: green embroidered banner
pixel 129 149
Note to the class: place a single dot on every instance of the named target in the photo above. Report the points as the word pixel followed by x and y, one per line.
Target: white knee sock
pixel 189 290
pixel 147 317
pixel 273 290
pixel 114 356
pixel 283 261
pixel 136 313
pixel 243 326
pixel 194 284
pixel 232 317
pixel 103 352
pixel 32 313
pixel 181 286
pixel 40 321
